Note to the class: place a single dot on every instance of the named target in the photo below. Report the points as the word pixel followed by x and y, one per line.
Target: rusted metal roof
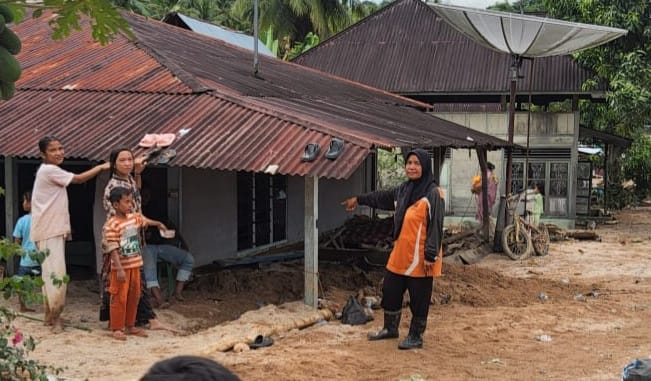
pixel 407 48
pixel 96 98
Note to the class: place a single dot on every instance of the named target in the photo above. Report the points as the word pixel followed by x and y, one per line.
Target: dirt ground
pixel 486 322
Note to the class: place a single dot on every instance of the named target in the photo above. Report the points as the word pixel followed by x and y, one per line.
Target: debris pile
pixel 361 232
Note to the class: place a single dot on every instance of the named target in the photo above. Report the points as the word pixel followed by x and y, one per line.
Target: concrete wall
pixel 208 209
pixel 209 213
pixel 331 194
pixel 547 130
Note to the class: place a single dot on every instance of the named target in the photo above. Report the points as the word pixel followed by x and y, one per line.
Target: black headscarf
pixel 414 190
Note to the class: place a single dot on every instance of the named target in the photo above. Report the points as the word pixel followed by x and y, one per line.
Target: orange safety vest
pixel 408 254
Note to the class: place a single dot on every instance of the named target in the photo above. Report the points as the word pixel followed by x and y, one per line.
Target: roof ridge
pixel 58 89
pixel 184 76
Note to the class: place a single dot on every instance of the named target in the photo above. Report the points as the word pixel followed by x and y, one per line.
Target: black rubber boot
pixel 390 330
pixel 415 337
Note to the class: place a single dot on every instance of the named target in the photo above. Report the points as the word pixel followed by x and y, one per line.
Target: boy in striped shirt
pixel 122 243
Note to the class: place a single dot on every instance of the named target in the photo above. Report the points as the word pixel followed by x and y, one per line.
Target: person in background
pixel 28 265
pixel 169 249
pixel 417 253
pixel 492 191
pixel 181 368
pixel 51 223
pixel 538 203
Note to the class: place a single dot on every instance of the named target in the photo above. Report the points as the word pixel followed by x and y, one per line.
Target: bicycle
pixel 521 238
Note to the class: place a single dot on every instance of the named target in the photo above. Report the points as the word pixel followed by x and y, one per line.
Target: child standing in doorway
pixel 122 243
pixel 51 223
pixel 28 265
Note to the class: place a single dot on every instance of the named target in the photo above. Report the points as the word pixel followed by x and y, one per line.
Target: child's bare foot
pixel 118 335
pixel 157 325
pixel 136 332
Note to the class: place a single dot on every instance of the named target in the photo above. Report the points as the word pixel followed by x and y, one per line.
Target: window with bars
pixel 261 209
pixel 553 179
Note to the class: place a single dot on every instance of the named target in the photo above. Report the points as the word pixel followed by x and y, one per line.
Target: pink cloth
pixel 50 216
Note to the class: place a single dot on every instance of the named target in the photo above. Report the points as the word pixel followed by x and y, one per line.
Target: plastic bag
pixel 353 313
pixel 638 370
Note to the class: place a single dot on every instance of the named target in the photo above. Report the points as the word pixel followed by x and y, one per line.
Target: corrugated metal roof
pixel 171 79
pixel 240 39
pixel 230 138
pixel 407 48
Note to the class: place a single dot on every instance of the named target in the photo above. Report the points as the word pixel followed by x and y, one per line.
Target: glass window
pixel 558 180
pixel 517 178
pixel 536 175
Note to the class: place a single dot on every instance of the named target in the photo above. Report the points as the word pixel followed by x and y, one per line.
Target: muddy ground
pixel 486 322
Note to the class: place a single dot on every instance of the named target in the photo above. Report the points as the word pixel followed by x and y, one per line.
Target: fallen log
pixel 582 235
pixel 266 321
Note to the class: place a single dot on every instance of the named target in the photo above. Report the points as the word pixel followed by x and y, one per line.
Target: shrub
pixel 14 344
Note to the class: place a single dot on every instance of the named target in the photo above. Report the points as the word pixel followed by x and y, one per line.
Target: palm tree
pixel 296 18
pixel 136 6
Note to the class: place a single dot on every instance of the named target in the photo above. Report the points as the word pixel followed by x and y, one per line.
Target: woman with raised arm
pixel 417 250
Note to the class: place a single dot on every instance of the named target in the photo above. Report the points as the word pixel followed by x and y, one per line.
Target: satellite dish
pixel 524 35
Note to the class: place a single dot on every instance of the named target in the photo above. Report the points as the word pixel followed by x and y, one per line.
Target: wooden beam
pixel 311 241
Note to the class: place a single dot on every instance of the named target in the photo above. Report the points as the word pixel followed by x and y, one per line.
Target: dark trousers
pixel 420 293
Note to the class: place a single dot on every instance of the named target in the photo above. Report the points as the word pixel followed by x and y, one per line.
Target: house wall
pixel 208 210
pixel 331 194
pixel 548 131
pixel 209 213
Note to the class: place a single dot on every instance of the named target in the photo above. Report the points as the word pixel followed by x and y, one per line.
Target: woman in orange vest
pixel 417 253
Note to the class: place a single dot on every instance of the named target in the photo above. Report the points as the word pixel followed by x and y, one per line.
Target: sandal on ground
pixel 261 341
pixel 118 335
pixel 137 332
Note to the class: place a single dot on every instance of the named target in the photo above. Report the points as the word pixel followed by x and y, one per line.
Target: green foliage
pixel 14 345
pixel 523 6
pixel 105 20
pixel 390 168
pixel 310 41
pixel 618 197
pixel 623 64
pixel 14 350
pixel 637 166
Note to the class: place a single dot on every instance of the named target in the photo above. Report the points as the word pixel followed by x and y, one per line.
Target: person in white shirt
pixel 51 223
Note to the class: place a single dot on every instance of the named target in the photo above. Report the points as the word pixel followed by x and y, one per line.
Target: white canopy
pixel 522 35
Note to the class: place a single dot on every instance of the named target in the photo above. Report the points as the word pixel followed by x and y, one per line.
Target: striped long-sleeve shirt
pixel 121 233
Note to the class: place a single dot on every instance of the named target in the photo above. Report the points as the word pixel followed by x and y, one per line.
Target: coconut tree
pixel 295 18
